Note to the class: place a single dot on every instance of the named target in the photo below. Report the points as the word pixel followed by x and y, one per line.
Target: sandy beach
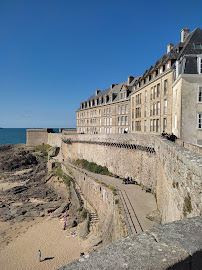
pixel 48 235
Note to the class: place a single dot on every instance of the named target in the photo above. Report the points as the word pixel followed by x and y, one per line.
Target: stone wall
pixel 54 139
pixel 173 173
pixel 36 137
pixel 173 246
pixel 110 226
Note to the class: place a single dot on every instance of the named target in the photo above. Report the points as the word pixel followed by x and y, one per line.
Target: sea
pixel 15 135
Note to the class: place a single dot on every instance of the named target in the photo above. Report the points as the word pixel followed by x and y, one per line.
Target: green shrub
pixel 116 201
pixel 92 167
pixel 187 204
pixel 84 213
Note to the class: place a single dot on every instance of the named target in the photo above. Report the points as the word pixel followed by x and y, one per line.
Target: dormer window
pixel 121 95
pixel 198 46
pixel 124 95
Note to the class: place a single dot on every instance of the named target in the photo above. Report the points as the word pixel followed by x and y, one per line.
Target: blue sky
pixel 55 54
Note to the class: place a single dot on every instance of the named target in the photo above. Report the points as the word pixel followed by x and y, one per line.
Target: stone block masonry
pixel 111 225
pixel 173 246
pixel 172 172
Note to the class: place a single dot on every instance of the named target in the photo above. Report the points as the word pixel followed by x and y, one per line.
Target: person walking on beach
pixel 39 255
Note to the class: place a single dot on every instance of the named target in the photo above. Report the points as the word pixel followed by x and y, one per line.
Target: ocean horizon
pixel 15 135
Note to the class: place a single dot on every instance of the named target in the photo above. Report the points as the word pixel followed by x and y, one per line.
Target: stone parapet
pixel 173 246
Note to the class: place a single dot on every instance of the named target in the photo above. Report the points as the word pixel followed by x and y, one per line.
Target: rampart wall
pixel 111 225
pixel 172 172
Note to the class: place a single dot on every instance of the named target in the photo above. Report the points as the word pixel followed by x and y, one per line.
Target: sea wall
pixel 172 172
pixel 36 137
pixel 173 246
pixel 110 226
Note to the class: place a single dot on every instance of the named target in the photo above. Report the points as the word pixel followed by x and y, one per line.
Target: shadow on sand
pixel 46 259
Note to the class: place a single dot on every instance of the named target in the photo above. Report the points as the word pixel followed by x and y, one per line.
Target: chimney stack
pixel 184 34
pixel 130 79
pixel 96 92
pixel 169 47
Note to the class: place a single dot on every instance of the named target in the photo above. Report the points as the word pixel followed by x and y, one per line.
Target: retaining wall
pixel 111 226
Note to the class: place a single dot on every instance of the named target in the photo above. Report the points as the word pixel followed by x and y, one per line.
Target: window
pixel 158 90
pixel 176 97
pixel 132 113
pixel 145 125
pixel 132 125
pixel 157 125
pixel 154 126
pixel 151 125
pixel 133 102
pixel 151 93
pixel 145 111
pixel 121 95
pixel 122 120
pixel 158 108
pixel 154 109
pixel 198 46
pixel 151 109
pixel 107 121
pixel 155 92
pixel 110 121
pixel 124 95
pixel 110 111
pixel 104 111
pixel 126 120
pixel 122 109
pixel 119 121
pixel 99 112
pixel 107 111
pixel 100 121
pixel 200 65
pixel 199 120
pixel 165 124
pixel 165 106
pixel 119 109
pixel 165 87
pixel 200 94
pixel 104 121
pixel 126 108
pixel 145 96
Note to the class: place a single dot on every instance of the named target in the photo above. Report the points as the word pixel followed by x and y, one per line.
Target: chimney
pixel 130 79
pixel 96 92
pixel 184 34
pixel 112 85
pixel 169 47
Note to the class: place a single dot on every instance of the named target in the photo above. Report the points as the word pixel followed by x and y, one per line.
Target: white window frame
pixel 200 64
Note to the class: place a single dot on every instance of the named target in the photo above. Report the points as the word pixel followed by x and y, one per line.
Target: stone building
pixel 106 112
pixel 153 108
pixel 148 104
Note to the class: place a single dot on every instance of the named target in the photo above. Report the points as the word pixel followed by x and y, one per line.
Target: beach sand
pixel 48 235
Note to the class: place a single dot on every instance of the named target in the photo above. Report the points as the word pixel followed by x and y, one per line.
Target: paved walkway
pixel 134 201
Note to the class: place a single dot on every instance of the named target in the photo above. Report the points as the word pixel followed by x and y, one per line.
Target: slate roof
pixel 177 52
